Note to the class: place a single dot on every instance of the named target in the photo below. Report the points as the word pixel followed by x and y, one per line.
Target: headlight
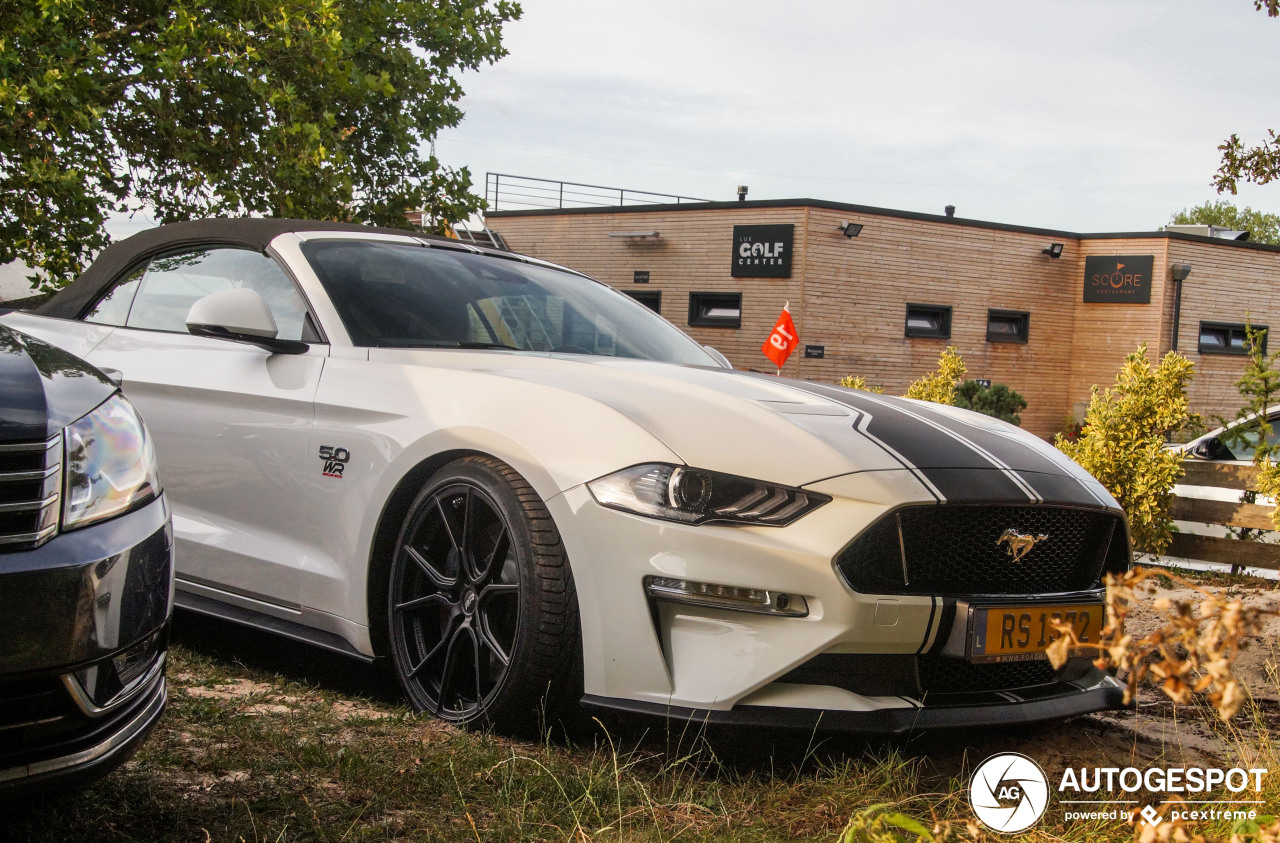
pixel 110 464
pixel 694 496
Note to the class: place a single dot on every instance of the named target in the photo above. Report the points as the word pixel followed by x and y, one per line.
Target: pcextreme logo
pixel 1010 792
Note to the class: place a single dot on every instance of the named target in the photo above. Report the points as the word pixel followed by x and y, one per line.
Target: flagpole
pixel 786 307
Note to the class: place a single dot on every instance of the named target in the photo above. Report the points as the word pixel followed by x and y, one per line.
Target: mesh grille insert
pixel 942 675
pixel 955 549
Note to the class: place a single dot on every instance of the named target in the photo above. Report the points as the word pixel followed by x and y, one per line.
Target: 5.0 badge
pixel 335 460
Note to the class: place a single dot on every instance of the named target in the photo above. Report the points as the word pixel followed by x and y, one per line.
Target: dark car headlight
pixel 696 496
pixel 110 465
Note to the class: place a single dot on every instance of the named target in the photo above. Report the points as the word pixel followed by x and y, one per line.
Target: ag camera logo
pixel 1009 792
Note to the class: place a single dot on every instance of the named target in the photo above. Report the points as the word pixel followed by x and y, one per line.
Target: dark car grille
pixel 955 549
pixel 943 675
pixel 30 479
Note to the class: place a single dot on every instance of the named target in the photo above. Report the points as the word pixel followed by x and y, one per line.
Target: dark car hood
pixel 43 388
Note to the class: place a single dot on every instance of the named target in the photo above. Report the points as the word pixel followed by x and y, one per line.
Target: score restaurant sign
pixel 1118 279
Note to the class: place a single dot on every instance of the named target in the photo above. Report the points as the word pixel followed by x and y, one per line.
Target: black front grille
pixel 943 675
pixel 956 549
pixel 30 477
pixel 34 712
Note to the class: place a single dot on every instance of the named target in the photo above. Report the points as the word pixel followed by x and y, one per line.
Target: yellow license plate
pixel 1021 633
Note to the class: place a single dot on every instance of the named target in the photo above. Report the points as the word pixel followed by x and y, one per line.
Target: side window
pixel 173 283
pixel 113 308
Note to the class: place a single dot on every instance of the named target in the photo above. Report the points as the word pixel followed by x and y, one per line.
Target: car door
pixel 231 422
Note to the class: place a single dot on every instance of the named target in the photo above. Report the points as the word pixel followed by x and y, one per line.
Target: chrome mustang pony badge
pixel 1020 544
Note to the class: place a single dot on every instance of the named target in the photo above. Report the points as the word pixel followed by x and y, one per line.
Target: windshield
pixel 397 295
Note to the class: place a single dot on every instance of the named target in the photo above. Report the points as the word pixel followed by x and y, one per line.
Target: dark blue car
pixel 86 571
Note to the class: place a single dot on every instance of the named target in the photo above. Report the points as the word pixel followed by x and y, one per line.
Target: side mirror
pixel 718 357
pixel 240 316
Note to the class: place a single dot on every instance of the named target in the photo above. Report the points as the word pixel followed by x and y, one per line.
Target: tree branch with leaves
pixel 1259 164
pixel 307 108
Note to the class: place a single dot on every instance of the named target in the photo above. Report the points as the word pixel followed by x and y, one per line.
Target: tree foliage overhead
pixel 1259 164
pixel 1262 227
pixel 307 108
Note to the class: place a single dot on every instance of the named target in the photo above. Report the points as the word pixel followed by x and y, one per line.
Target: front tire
pixel 482 613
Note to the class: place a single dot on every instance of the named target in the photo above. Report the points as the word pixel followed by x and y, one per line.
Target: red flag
pixel 782 339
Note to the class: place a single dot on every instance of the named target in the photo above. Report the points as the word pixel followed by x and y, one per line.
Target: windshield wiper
pixel 408 343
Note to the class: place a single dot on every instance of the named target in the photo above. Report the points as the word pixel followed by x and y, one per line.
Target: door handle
pixel 114 375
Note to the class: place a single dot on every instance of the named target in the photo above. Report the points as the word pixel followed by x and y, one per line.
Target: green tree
pixel 1262 227
pixel 1122 442
pixel 308 108
pixel 1259 164
pixel 1259 386
pixel 997 400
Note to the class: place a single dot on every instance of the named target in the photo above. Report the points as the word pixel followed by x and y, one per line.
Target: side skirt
pixel 268 623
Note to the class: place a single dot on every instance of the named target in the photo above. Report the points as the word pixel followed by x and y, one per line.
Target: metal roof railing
pixel 506 192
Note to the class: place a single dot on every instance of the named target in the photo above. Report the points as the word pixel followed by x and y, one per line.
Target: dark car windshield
pixel 397 295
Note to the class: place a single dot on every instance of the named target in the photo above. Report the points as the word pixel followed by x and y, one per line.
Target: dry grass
pixel 264 741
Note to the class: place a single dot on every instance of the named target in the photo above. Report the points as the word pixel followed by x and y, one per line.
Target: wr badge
pixel 335 460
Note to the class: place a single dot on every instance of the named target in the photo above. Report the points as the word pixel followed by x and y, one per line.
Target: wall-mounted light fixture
pixel 1054 250
pixel 850 229
pixel 1180 271
pixel 635 235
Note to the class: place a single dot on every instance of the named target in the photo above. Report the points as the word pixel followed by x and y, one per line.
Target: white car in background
pixel 529 491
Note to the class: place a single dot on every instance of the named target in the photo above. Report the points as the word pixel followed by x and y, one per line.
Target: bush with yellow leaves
pixel 1122 442
pixel 940 386
pixel 859 382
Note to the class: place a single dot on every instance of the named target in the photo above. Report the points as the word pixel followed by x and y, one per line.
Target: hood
pixel 43 388
pixel 799 433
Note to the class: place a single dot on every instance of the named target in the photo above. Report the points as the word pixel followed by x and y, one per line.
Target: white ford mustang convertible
pixel 530 492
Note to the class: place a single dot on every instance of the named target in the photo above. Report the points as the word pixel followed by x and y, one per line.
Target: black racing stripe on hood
pixel 1039 470
pixel 1060 488
pixel 961 462
pixel 953 468
pixel 975 485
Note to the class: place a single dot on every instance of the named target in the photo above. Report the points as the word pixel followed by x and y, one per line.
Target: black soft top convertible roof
pixel 251 233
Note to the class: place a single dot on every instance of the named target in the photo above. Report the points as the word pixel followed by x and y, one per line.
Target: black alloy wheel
pixel 483 618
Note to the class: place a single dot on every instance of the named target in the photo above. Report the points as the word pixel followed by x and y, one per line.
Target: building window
pixel 1007 325
pixel 651 299
pixel 1225 338
pixel 715 310
pixel 928 321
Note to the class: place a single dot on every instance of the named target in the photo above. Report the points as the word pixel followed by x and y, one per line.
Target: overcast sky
pixel 1083 116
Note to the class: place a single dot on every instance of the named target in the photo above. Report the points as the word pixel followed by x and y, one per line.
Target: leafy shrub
pixel 859 382
pixel 940 386
pixel 997 400
pixel 1122 442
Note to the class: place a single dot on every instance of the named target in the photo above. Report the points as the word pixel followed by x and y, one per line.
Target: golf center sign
pixel 1118 279
pixel 762 251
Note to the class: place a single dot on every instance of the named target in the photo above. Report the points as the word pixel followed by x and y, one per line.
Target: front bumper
pixel 1057 704
pixel 84 618
pixel 899 659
